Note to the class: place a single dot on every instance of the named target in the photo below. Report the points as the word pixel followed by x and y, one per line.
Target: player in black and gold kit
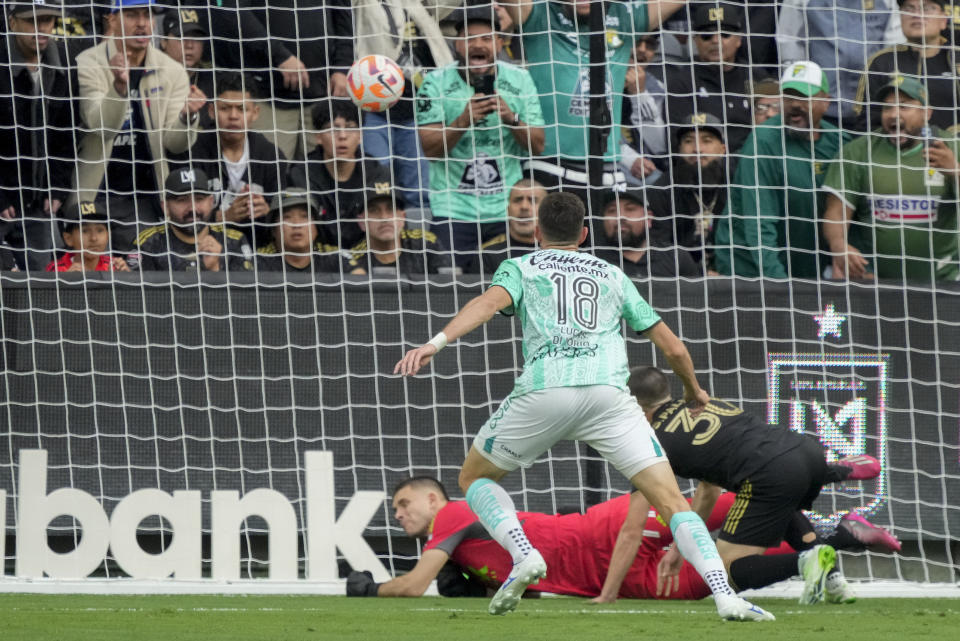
pixel 775 473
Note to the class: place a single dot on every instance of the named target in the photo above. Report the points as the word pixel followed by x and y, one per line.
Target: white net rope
pixel 756 153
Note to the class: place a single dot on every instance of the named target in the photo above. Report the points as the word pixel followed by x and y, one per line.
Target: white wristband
pixel 439 341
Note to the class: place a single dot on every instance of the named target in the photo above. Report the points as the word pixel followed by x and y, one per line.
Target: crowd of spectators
pixel 781 139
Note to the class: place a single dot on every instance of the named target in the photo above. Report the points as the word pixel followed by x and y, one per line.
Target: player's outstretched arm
pixel 625 549
pixel 413 583
pixel 680 362
pixel 474 314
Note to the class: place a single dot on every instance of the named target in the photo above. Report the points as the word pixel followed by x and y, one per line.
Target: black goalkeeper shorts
pixel 767 500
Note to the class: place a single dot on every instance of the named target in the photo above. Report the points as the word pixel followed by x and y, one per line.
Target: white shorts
pixel 606 418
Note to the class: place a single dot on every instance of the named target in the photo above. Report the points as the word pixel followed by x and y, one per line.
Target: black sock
pixel 761 570
pixel 841 539
pixel 799 527
pixel 836 473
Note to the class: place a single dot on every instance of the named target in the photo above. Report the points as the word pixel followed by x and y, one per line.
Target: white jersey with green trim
pixel 570 306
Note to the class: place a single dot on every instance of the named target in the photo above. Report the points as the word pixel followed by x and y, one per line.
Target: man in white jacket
pixel 137 105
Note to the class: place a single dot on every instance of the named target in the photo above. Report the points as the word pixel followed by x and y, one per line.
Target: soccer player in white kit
pixel 573 387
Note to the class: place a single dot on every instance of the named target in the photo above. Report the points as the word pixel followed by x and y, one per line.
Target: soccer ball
pixel 375 83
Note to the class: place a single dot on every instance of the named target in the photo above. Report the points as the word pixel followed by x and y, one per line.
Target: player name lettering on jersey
pixel 564 351
pixel 570 262
pixel 916 209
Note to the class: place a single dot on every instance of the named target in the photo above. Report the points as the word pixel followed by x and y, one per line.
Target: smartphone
pixel 483 84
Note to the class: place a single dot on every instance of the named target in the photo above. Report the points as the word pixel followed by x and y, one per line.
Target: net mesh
pixel 218 363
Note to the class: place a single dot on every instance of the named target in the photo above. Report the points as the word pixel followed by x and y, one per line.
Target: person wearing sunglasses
pixel 714 83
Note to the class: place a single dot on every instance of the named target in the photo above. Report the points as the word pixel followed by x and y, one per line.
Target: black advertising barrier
pixel 224 384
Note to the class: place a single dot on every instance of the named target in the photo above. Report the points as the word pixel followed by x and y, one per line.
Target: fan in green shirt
pixel 475 135
pixel 892 200
pixel 771 225
pixel 556 47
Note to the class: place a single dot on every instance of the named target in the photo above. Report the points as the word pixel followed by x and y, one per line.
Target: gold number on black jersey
pixel 710 415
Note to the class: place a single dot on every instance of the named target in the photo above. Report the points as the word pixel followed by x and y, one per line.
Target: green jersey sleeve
pixel 509 276
pixel 532 112
pixel 638 11
pixel 429 106
pixel 636 311
pixel 537 18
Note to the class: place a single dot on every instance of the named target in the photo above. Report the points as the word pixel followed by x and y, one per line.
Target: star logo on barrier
pixel 830 322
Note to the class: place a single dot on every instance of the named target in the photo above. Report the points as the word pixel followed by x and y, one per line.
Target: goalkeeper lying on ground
pixel 579 546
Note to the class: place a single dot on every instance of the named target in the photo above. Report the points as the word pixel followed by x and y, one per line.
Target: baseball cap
pixel 379 187
pixel 294 197
pixel 185 181
pixel 631 193
pixel 185 22
pixel 716 16
pixel 85 211
pixel 905 85
pixel 37 8
pixel 462 15
pixel 942 3
pixel 699 121
pixel 806 77
pixel 131 4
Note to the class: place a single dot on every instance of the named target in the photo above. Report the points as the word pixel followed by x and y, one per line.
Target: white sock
pixel 696 546
pixel 494 508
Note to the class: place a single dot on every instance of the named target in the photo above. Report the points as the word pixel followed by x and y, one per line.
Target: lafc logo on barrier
pixel 182 559
pixel 841 397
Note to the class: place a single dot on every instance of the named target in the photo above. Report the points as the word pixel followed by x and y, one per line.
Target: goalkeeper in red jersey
pixel 582 545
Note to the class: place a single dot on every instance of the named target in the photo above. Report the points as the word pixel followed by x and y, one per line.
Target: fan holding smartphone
pixel 483 83
pixel 478 119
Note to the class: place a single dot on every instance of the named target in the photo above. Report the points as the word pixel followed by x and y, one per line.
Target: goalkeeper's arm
pixel 625 549
pixel 413 583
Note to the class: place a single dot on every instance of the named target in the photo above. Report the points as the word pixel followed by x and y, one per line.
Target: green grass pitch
pixel 29 617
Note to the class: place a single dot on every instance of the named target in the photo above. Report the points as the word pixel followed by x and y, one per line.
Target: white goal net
pixel 205 391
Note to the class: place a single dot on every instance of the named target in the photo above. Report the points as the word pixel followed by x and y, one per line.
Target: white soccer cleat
pixel 838 590
pixel 528 571
pixel 734 608
pixel 814 566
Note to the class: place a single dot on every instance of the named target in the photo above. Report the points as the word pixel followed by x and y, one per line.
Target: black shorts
pixel 767 500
